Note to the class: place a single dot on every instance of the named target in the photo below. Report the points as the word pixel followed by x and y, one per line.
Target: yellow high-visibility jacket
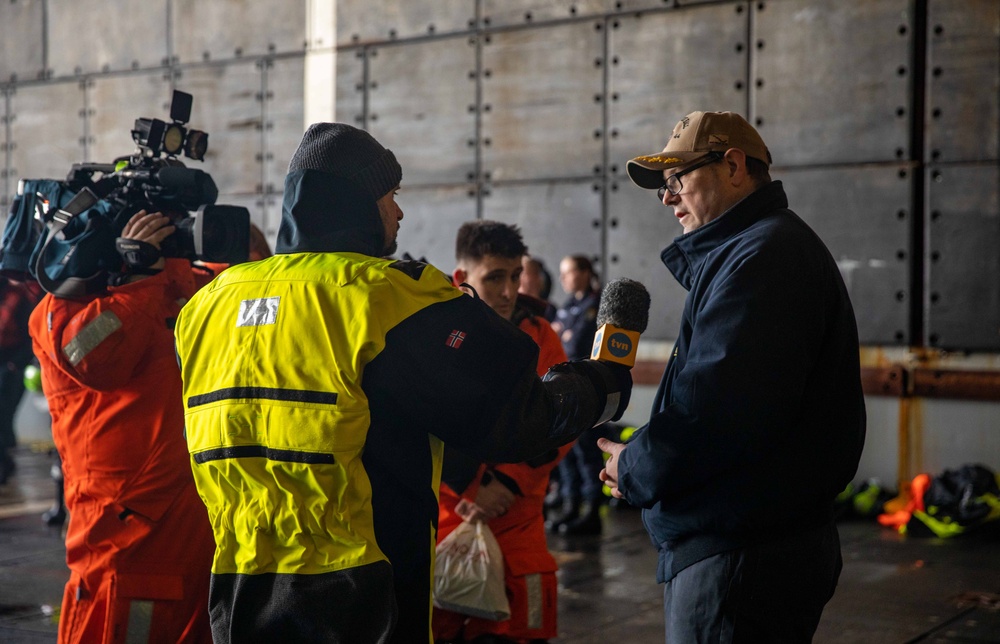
pixel 276 444
pixel 318 388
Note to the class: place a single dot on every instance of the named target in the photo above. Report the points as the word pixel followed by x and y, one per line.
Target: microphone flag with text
pixel 622 316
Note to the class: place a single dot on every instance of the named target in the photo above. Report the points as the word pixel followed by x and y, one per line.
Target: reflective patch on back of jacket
pixel 258 312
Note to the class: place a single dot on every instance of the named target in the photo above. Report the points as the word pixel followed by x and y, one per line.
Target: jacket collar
pixel 684 257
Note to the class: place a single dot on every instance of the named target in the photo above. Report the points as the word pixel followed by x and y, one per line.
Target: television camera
pixel 66 233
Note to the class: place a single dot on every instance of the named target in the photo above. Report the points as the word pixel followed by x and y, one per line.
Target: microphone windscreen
pixel 624 304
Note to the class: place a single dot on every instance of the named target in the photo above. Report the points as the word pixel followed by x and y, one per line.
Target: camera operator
pixel 139 545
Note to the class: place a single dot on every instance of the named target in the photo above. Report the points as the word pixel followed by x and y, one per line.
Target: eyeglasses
pixel 674 185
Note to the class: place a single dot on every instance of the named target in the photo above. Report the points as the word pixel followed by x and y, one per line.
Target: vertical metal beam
pixel 749 84
pixel 44 73
pixel 5 183
pixel 265 65
pixel 320 67
pixel 170 36
pixel 919 272
pixel 365 80
pixel 606 145
pixel 85 84
pixel 171 70
pixel 477 132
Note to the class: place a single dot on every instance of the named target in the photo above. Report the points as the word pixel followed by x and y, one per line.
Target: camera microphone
pixel 622 315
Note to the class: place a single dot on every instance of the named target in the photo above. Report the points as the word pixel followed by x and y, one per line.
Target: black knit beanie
pixel 349 153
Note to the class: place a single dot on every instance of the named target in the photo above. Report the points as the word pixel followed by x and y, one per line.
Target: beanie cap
pixel 348 153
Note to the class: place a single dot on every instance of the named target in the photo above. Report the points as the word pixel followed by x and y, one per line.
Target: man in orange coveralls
pixel 510 496
pixel 139 545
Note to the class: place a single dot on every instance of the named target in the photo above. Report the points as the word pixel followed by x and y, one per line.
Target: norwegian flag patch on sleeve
pixel 456 339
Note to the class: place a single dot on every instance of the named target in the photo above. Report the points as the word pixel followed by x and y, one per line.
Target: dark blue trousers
pixel 772 591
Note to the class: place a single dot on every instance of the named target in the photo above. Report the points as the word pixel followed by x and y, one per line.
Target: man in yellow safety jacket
pixel 319 387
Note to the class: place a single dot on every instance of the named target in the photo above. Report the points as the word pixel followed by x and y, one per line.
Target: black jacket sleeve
pixel 464 374
pixel 458 470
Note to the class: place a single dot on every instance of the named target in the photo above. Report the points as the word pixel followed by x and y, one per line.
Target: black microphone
pixel 622 315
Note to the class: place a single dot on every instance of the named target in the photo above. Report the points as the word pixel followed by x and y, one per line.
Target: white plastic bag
pixel 468 573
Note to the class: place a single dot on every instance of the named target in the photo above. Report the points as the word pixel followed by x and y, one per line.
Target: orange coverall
pixel 139 546
pixel 529 568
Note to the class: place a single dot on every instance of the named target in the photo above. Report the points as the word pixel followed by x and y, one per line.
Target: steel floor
pixel 892 590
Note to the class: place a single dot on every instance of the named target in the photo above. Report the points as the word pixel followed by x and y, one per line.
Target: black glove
pixel 136 253
pixel 612 385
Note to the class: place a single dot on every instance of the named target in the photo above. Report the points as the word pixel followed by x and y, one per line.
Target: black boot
pixel 588 523
pixel 7 466
pixel 56 515
pixel 570 511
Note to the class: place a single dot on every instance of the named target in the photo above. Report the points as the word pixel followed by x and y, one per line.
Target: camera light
pixel 196 145
pixel 148 134
pixel 173 139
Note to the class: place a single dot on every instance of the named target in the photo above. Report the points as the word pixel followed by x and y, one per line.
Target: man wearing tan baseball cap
pixel 695 136
pixel 759 420
pixel 700 139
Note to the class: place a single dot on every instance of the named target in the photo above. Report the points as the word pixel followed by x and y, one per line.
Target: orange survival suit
pixel 529 568
pixel 139 546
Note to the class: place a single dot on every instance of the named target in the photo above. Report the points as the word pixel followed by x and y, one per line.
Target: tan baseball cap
pixel 694 136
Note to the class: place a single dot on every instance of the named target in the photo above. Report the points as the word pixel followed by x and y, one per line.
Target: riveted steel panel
pixel 46 130
pixel 963 235
pixel 8 184
pixel 831 80
pixel 283 118
pixel 639 228
pixel 539 114
pixel 227 105
pixel 556 219
pixel 431 217
pixel 21 39
pixel 419 100
pixel 963 81
pixel 500 13
pixel 863 214
pixel 351 87
pixel 224 29
pixel 367 20
pixel 113 105
pixel 106 35
pixel 660 72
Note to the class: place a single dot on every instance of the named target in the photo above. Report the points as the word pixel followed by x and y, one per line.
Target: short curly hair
pixel 482 237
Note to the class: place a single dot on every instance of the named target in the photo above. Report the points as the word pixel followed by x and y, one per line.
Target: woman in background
pixel 580 488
